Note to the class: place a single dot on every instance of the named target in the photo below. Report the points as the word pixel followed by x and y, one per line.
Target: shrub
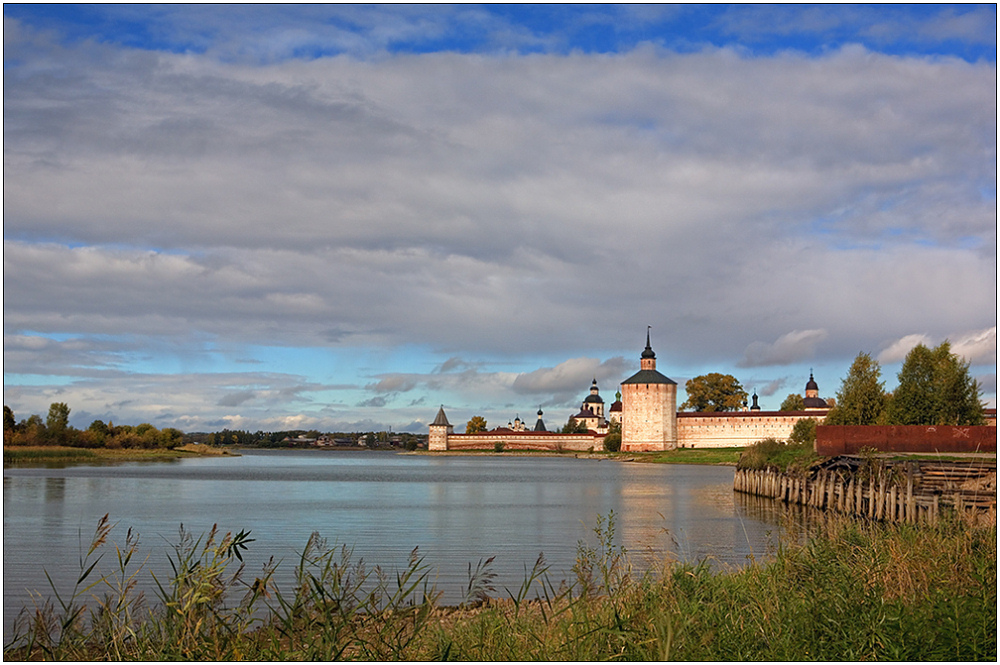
pixel 498 447
pixel 613 442
pixel 773 454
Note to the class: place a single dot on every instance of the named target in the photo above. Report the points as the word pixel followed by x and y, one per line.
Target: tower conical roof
pixel 441 419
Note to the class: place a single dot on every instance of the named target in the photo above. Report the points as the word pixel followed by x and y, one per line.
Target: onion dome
pixel 811 384
pixel 540 426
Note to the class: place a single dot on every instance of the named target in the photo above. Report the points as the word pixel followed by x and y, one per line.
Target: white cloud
pixel 787 349
pixel 896 352
pixel 572 377
pixel 978 347
pixel 504 207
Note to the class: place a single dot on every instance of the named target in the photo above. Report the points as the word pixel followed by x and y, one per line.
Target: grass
pixel 30 455
pixel 773 454
pixel 854 591
pixel 726 456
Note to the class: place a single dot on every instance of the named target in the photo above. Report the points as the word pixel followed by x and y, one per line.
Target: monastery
pixel 646 410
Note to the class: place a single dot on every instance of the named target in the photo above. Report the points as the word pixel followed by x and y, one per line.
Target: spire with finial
pixel 648 352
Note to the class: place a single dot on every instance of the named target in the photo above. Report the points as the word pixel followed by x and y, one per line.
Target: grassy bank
pixel 772 454
pixel 856 591
pixel 726 456
pixel 30 455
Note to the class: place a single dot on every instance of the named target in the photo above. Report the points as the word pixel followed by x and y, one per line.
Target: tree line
pixel 55 430
pixel 935 388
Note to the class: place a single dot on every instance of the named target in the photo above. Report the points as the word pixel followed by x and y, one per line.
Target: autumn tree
pixel 475 424
pixel 794 402
pixel 714 392
pixel 935 388
pixel 861 399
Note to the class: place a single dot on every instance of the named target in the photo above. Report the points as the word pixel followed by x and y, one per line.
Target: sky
pixel 341 217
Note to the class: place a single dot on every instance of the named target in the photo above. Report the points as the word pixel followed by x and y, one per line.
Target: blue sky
pixel 340 217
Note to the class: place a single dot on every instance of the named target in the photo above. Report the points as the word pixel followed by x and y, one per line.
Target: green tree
pixel 475 424
pixel 861 399
pixel 9 423
pixel 794 402
pixel 803 433
pixel 98 432
pixel 57 422
pixel 935 389
pixel 170 437
pixel 714 392
pixel 613 440
pixel 574 426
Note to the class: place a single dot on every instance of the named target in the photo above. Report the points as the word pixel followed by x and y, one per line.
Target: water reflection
pixel 456 510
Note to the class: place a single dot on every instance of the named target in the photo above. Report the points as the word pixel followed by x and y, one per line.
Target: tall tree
pixel 475 424
pixel 794 402
pixel 57 422
pixel 9 423
pixel 861 398
pixel 935 389
pixel 714 392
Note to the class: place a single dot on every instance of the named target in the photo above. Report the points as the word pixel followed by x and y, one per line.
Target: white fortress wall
pixel 739 428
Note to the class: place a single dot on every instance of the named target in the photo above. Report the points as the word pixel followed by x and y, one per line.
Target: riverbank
pixel 854 591
pixel 709 456
pixel 41 455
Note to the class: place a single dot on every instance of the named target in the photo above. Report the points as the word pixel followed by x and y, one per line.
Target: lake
pixel 457 510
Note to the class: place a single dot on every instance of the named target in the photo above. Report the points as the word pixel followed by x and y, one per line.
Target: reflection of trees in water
pixel 55 490
pixel 796 523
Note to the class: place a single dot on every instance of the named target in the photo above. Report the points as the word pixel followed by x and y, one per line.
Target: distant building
pixel 646 408
pixel 592 411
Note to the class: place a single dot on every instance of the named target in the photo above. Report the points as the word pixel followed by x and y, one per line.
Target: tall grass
pixel 34 454
pixel 854 591
pixel 773 454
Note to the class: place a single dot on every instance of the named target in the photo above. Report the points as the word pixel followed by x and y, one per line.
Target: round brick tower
pixel 649 407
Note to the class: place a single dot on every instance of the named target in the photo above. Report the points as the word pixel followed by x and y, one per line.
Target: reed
pixel 852 591
pixel 34 454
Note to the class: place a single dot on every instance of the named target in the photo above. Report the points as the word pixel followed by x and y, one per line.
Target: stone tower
pixel 437 439
pixel 649 407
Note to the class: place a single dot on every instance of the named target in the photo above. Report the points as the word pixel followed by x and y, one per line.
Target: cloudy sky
pixel 342 217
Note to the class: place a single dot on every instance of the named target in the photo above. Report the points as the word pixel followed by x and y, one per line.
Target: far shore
pixel 21 456
pixel 708 456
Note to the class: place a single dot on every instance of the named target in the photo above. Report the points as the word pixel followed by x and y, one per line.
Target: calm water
pixel 457 510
